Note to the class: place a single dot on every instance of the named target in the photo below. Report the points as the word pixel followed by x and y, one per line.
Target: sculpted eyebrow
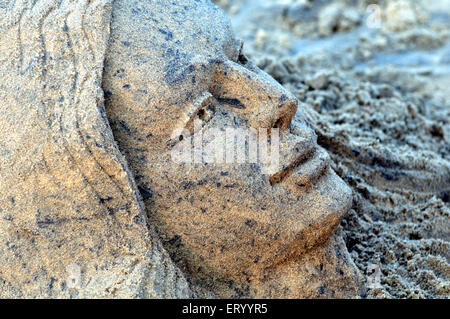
pixel 232 102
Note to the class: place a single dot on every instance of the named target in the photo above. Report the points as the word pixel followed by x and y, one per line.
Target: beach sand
pixel 374 82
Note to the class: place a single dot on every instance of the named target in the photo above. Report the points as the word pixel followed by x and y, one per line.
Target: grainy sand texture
pixel 96 97
pixel 373 78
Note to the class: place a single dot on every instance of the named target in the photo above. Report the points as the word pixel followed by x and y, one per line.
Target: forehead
pixel 156 42
pixel 190 25
pixel 175 30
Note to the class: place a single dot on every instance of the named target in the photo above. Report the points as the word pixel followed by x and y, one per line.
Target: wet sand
pixel 377 94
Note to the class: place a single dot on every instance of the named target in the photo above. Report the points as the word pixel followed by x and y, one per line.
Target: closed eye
pixel 200 109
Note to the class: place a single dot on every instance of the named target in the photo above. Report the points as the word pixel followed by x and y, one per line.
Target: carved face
pixel 168 65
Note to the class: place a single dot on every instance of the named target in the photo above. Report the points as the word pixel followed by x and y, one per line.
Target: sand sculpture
pixel 95 95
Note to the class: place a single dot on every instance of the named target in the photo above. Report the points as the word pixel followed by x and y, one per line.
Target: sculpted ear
pixel 67 196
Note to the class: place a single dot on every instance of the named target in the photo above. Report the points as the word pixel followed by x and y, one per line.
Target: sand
pixel 374 83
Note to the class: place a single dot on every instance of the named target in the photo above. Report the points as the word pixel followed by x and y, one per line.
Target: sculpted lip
pixel 304 156
pixel 310 171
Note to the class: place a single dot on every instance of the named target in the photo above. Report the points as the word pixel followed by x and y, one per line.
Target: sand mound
pixel 376 92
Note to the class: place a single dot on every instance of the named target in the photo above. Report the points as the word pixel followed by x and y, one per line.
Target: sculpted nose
pixel 254 94
pixel 266 104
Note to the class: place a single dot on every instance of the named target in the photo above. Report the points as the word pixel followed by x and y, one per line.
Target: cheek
pixel 224 220
pixel 208 215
